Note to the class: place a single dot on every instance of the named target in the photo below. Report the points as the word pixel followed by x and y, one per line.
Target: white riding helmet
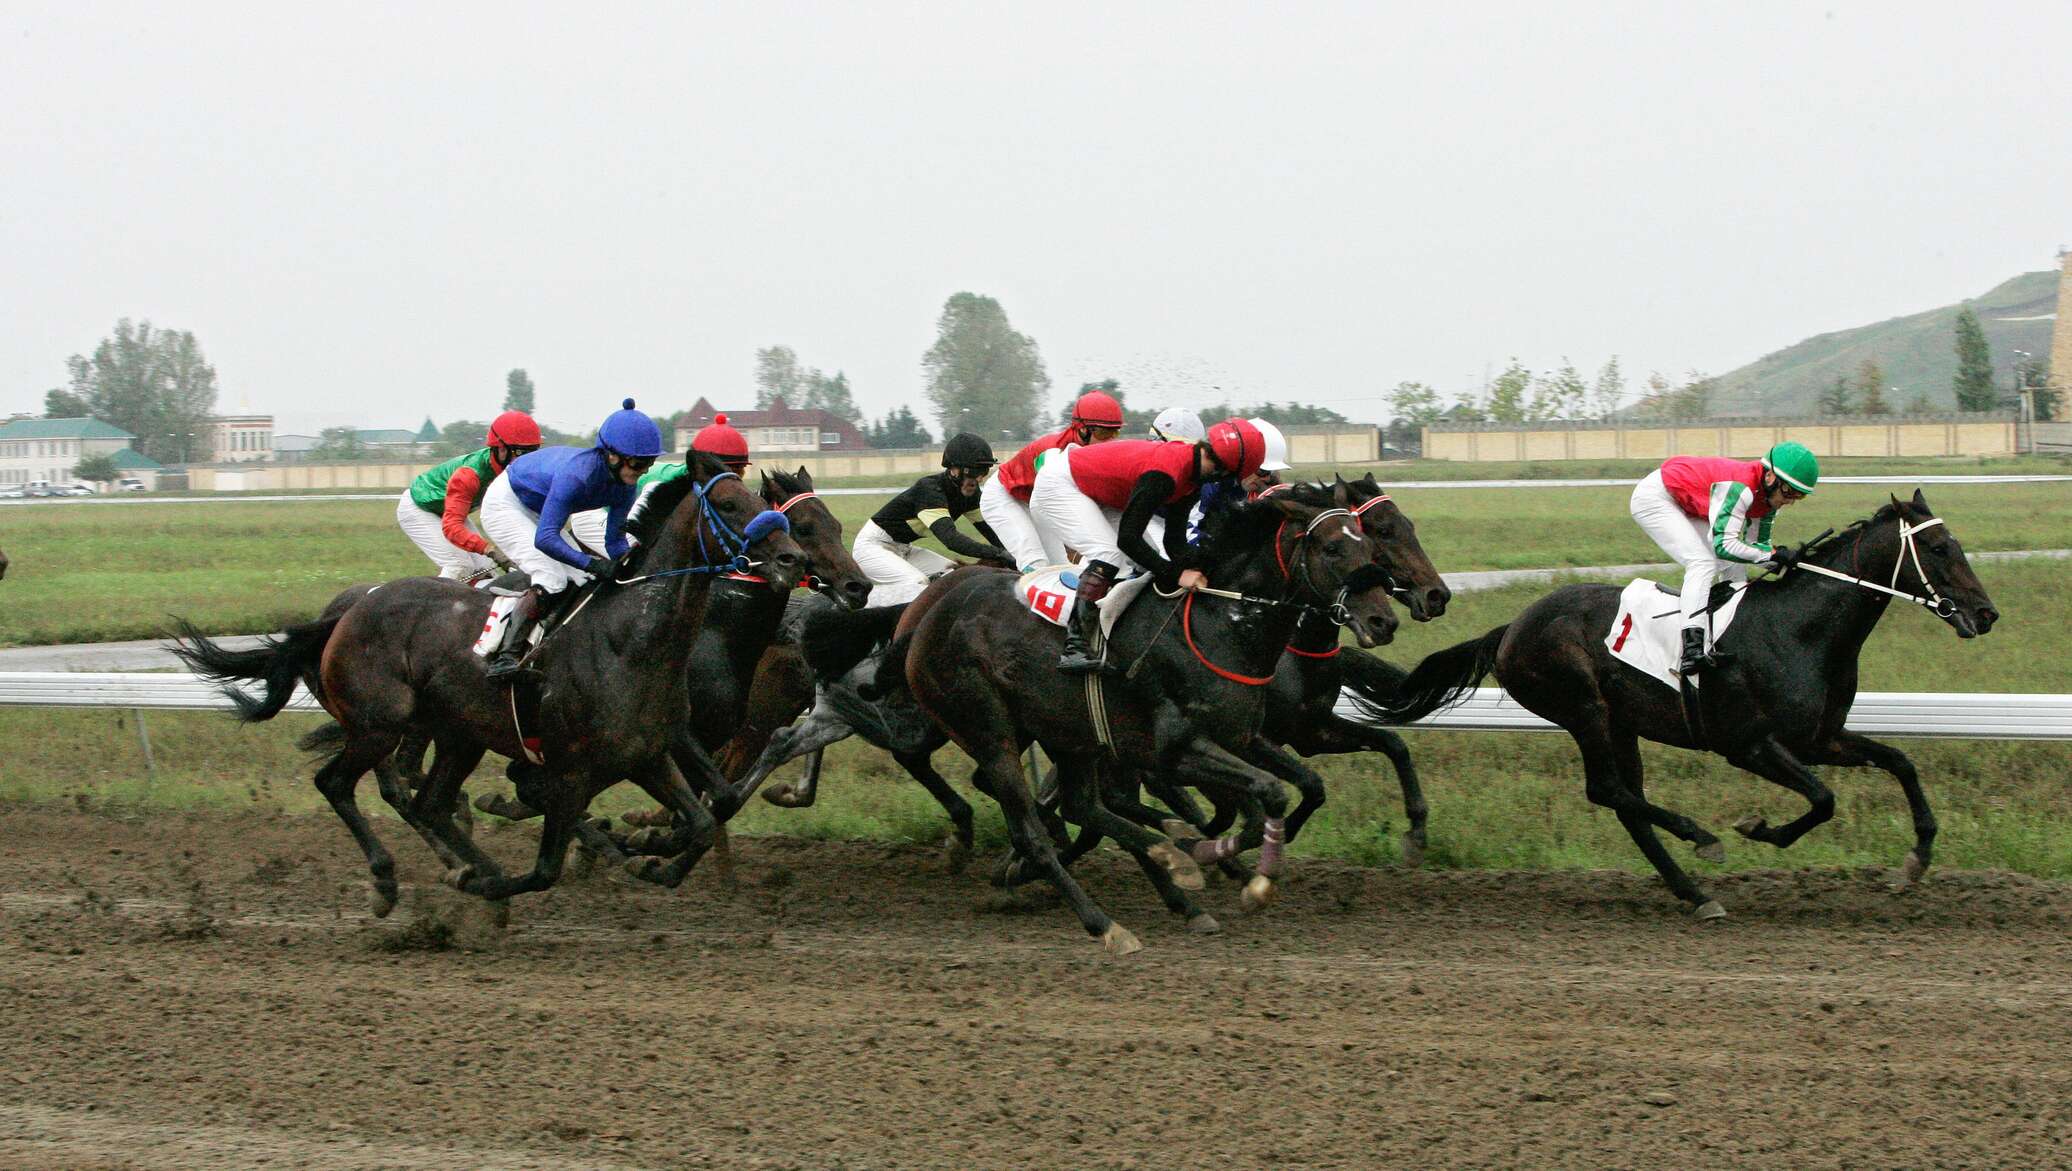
pixel 1276 447
pixel 1179 423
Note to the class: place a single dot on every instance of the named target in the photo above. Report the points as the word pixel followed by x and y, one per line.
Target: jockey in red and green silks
pixel 1713 516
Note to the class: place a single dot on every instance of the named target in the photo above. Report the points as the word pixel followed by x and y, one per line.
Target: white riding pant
pixel 507 521
pixel 588 527
pixel 1010 521
pixel 426 531
pixel 1070 519
pixel 1686 538
pixel 898 572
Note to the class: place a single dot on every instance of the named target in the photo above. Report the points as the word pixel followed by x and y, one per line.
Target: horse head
pixel 1319 550
pixel 1392 542
pixel 813 525
pixel 1929 557
pixel 710 518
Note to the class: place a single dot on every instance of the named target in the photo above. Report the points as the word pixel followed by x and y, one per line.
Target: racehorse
pixel 1777 708
pixel 1189 703
pixel 613 698
pixel 3 564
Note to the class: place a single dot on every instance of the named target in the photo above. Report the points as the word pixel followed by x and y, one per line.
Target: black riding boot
pixel 1083 633
pixel 1695 658
pixel 503 665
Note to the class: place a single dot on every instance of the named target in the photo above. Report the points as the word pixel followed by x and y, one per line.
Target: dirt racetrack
pixel 208 991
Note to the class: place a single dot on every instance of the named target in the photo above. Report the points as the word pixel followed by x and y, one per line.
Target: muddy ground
pixel 209 991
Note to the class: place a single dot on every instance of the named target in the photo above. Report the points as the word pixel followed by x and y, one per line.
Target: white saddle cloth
pixel 1051 591
pixel 1647 631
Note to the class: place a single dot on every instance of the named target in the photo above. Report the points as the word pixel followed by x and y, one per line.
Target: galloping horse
pixel 1777 708
pixel 1189 704
pixel 613 700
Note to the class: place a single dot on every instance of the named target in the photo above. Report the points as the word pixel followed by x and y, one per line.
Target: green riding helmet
pixel 1795 465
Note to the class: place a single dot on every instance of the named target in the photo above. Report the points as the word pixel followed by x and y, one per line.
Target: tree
pixel 1608 391
pixel 1656 401
pixel 1693 400
pixel 1507 394
pixel 1414 403
pixel 153 383
pixel 1974 380
pixel 98 468
pixel 59 403
pixel 1919 404
pixel 1559 395
pixel 1869 388
pixel 2033 374
pixel 777 375
pixel 982 375
pixel 899 429
pixel 519 392
pixel 338 443
pixel 1293 414
pixel 1834 397
pixel 832 395
pixel 459 438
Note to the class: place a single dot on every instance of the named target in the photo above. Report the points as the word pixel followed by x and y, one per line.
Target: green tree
pixel 832 394
pixel 59 403
pixel 2033 374
pixel 98 468
pixel 1869 388
pixel 1507 394
pixel 1974 380
pixel 900 429
pixel 1835 397
pixel 519 392
pixel 1294 414
pixel 1657 399
pixel 982 375
pixel 459 438
pixel 1693 400
pixel 339 443
pixel 1414 403
pixel 1559 395
pixel 778 375
pixel 1919 404
pixel 153 383
pixel 1608 391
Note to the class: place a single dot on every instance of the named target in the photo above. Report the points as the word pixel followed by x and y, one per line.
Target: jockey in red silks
pixel 1004 500
pixel 1700 509
pixel 434 509
pixel 1100 501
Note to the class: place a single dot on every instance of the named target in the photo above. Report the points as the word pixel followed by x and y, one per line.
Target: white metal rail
pixel 1952 715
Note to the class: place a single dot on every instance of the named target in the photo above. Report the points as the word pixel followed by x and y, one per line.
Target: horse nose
pixel 1986 618
pixel 1436 599
pixel 858 592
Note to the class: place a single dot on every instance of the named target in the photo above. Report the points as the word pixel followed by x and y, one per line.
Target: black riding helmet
pixel 965 450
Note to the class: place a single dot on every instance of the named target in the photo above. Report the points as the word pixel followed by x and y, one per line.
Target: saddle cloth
pixel 1647 631
pixel 1051 591
pixel 492 635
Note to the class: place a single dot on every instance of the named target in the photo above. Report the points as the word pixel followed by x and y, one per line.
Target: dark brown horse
pixel 1189 704
pixel 614 701
pixel 1775 710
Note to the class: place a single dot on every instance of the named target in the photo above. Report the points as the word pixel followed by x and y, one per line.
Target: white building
pixel 236 439
pixel 34 450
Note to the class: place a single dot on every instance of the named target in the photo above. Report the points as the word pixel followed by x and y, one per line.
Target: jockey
pixel 1178 424
pixel 716 439
pixel 1220 494
pixel 1004 500
pixel 434 509
pixel 885 546
pixel 1698 509
pixel 526 509
pixel 1101 500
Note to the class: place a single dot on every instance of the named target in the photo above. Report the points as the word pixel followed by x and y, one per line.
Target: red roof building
pixel 780 428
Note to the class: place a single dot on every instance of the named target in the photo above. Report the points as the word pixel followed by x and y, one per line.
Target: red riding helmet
pixel 1238 446
pixel 721 440
pixel 513 429
pixel 1097 409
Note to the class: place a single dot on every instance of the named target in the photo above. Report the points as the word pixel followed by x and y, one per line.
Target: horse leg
pixel 809 735
pixel 1170 870
pixel 1773 762
pixel 555 834
pixel 395 789
pixel 1211 765
pixel 1852 749
pixel 437 801
pixel 1002 765
pixel 1334 734
pixel 1704 843
pixel 336 780
pixel 1610 782
pixel 1281 763
pixel 696 827
pixel 957 849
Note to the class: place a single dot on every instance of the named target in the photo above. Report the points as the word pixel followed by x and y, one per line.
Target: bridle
pixel 1299 576
pixel 1909 553
pixel 732 542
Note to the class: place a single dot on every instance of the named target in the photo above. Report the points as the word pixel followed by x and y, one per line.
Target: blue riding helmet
pixel 630 433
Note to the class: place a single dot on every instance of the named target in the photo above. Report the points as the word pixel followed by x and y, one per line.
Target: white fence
pixel 1949 715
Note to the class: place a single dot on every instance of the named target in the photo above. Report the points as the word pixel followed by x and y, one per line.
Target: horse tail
pixel 279 661
pixel 327 741
pixel 1442 680
pixel 834 641
pixel 1369 676
pixel 891 674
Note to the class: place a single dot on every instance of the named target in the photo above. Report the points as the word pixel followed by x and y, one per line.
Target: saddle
pixel 1647 629
pixel 1722 593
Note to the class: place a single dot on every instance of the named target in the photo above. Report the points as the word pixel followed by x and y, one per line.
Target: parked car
pixel 73 490
pixel 130 484
pixel 10 491
pixel 38 489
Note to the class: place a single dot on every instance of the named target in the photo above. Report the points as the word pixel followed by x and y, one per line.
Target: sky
pixel 368 213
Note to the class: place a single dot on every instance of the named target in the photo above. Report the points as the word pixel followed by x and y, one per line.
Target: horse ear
pixel 768 489
pixel 805 479
pixel 1342 494
pixel 1920 501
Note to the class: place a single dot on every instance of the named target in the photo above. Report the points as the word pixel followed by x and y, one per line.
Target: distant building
pixel 48 450
pixel 2061 340
pixel 293 449
pixel 780 428
pixel 394 442
pixel 236 439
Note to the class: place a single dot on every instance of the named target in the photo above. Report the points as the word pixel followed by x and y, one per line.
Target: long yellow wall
pixel 1701 437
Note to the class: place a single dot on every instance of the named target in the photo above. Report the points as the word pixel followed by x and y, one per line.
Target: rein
pixel 734 543
pixel 1337 613
pixel 1935 603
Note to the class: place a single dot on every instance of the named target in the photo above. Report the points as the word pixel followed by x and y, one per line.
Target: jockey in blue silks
pixel 527 509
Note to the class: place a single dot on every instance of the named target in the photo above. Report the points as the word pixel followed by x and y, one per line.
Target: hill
pixel 1916 351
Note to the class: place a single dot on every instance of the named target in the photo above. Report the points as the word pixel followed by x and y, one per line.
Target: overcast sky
pixel 369 216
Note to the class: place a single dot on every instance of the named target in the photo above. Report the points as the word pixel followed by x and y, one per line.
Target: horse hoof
pixel 1713 851
pixel 1751 826
pixel 459 878
pixel 1204 924
pixel 956 855
pixel 1913 868
pixel 644 818
pixel 783 795
pixel 1259 894
pixel 648 841
pixel 382 902
pixel 1413 851
pixel 1119 942
pixel 1178 830
pixel 1185 874
pixel 643 867
pixel 1709 910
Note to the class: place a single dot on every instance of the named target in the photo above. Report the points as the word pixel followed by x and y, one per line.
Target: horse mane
pixel 1228 532
pixel 790 484
pixel 665 499
pixel 1885 512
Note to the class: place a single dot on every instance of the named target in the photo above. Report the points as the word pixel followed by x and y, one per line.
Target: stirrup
pixel 510 667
